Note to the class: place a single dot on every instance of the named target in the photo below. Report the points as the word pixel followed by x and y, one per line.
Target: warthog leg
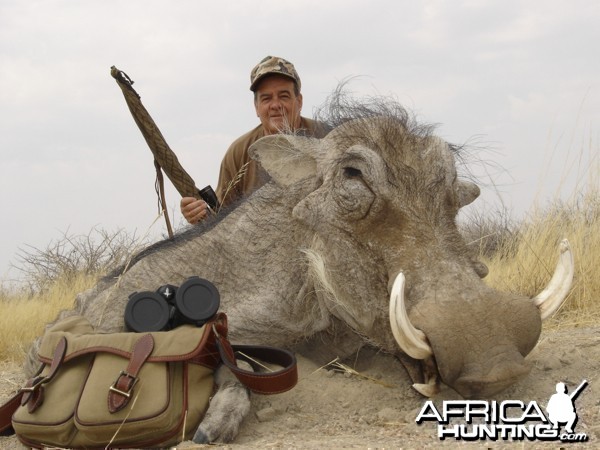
pixel 227 410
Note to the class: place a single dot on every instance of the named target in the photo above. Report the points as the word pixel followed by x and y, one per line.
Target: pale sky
pixel 518 79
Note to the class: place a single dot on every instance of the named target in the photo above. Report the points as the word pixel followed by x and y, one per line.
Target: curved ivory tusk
pixel 412 341
pixel 549 300
pixel 427 390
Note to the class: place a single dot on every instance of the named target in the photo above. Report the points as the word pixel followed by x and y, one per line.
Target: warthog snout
pixel 479 346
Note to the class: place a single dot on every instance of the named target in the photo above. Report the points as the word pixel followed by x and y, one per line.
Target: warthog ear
pixel 286 158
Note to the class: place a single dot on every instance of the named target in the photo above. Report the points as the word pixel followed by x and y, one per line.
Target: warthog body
pixel 368 211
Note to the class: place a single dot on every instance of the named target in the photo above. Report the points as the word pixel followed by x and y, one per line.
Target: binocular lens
pixel 197 300
pixel 147 311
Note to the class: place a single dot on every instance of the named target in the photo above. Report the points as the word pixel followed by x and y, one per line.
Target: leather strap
pixel 120 392
pixel 273 382
pixel 33 392
pixel 6 412
pixel 160 191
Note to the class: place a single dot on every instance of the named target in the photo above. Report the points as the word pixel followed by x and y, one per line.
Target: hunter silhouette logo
pixel 561 406
pixel 507 420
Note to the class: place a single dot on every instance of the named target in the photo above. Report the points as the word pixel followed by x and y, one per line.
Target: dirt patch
pixel 338 410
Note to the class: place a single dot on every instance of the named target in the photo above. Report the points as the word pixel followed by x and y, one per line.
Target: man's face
pixel 277 106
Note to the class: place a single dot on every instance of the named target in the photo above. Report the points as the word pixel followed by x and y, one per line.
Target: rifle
pixel 580 388
pixel 164 157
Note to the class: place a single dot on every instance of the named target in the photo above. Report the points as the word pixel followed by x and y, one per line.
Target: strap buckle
pixel 35 384
pixel 130 384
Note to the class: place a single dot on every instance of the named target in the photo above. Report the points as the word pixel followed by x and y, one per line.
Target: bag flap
pixel 180 344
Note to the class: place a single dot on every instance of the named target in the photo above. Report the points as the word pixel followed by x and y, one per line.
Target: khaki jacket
pixel 240 175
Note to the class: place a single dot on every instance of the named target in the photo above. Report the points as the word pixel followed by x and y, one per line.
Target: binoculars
pixel 194 302
pixel 208 195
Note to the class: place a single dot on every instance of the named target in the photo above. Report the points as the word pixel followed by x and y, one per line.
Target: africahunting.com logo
pixel 507 420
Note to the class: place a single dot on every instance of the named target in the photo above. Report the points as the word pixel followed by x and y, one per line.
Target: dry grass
pixel 526 263
pixel 339 367
pixel 233 183
pixel 23 316
pixel 521 256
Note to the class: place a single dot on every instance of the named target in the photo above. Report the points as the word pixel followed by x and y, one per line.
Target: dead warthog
pixel 353 239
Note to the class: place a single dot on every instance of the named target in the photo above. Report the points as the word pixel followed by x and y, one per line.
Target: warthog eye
pixel 351 172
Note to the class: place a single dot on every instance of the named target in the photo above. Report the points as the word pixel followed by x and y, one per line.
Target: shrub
pixel 68 257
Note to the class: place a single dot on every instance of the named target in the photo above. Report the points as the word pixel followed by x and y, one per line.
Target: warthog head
pixel 389 260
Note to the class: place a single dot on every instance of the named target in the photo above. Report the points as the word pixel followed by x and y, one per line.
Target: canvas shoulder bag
pixel 131 389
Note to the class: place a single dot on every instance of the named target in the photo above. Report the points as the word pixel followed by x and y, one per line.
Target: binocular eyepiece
pixel 194 302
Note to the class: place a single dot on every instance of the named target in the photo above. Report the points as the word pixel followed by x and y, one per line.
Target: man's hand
pixel 193 210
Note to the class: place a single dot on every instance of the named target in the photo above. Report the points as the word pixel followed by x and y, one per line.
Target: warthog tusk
pixel 549 300
pixel 427 390
pixel 412 341
pixel 431 379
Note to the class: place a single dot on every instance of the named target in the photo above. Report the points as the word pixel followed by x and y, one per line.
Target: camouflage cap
pixel 273 65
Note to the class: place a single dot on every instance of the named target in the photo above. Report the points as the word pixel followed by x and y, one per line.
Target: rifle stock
pixel 164 157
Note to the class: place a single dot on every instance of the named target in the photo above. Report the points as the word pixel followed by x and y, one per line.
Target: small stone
pixel 266 414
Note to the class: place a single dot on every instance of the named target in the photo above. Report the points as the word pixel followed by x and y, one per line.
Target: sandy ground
pixel 343 411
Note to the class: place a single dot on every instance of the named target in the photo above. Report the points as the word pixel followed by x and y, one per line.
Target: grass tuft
pixel 23 316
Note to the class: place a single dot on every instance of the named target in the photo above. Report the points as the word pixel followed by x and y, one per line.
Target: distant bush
pixel 66 258
pixel 490 234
